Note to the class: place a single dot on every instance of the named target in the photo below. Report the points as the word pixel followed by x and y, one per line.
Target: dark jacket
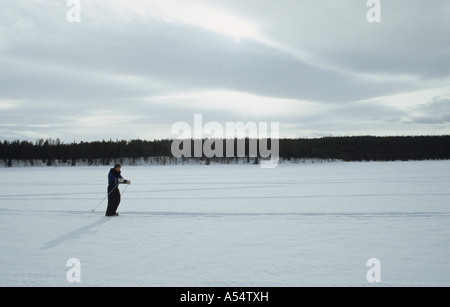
pixel 113 178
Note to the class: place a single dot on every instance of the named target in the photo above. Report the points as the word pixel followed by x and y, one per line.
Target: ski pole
pixel 93 210
pixel 123 192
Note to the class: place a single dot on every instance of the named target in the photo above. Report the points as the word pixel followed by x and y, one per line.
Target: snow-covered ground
pixel 313 224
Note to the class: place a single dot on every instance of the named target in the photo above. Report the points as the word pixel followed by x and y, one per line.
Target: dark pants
pixel 113 200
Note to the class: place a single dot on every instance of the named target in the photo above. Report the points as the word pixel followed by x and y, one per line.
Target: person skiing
pixel 114 179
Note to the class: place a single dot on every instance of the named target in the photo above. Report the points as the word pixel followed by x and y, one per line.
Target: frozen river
pixel 313 224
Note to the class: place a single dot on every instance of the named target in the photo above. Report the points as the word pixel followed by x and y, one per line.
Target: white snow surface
pixel 313 224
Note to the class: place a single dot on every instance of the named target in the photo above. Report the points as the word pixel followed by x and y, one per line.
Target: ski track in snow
pixel 296 225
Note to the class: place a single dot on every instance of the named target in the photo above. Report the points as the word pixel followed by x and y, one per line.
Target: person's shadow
pixel 77 233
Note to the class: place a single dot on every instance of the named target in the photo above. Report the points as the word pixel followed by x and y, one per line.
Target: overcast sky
pixel 132 68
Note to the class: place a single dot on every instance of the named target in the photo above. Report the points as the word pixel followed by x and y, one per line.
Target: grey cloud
pixel 70 72
pixel 411 39
pixel 435 112
pixel 184 59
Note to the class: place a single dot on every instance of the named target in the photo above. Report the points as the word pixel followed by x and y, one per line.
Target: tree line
pixel 358 148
